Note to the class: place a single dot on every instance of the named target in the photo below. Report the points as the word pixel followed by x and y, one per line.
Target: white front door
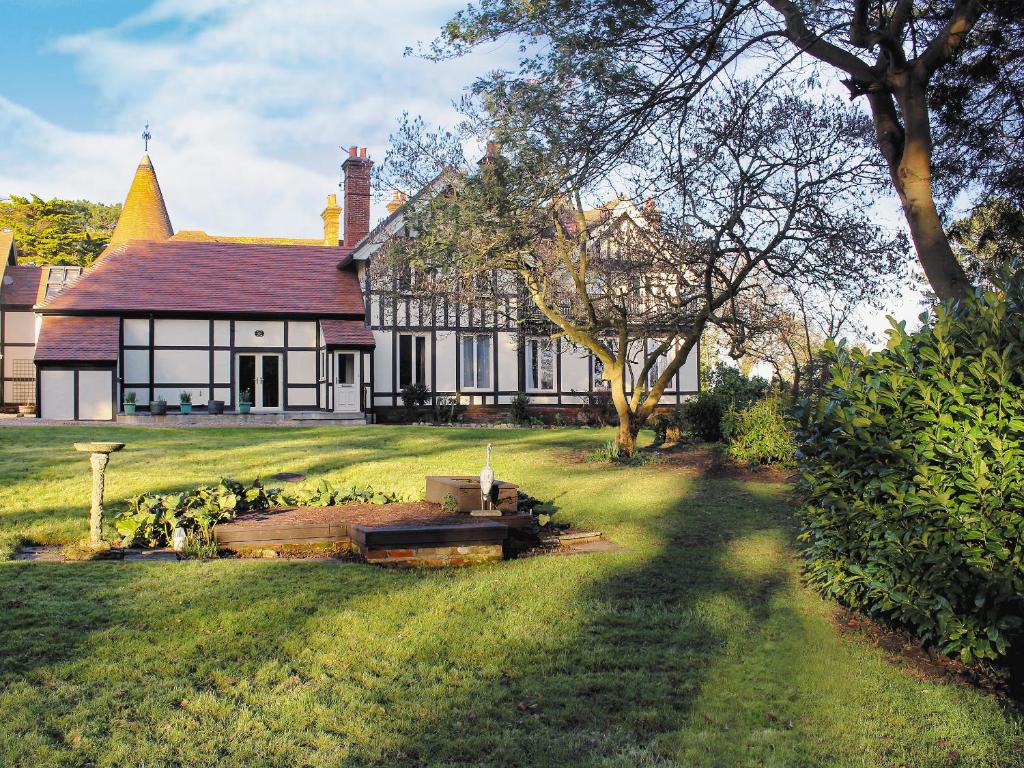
pixel 259 375
pixel 346 382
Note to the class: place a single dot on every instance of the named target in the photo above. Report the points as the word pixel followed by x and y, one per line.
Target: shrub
pixel 599 410
pixel 733 389
pixel 759 434
pixel 520 411
pixel 448 409
pixel 668 427
pixel 703 416
pixel 414 395
pixel 913 477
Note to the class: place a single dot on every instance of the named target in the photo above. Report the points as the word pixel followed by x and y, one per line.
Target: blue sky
pixel 249 101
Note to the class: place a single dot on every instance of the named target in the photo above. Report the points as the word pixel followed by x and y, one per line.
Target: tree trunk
pixel 908 153
pixel 628 424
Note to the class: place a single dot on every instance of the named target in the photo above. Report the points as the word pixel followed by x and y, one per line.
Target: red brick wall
pixel 357 195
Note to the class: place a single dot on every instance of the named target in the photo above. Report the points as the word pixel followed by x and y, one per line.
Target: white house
pixel 295 325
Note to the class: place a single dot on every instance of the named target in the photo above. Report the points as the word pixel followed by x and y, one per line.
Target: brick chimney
pixel 397 201
pixel 357 195
pixel 332 221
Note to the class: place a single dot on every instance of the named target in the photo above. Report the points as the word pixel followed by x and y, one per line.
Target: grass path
pixel 695 647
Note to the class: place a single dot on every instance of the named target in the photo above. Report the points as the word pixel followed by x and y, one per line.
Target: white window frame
pixel 416 358
pixel 470 375
pixel 659 365
pixel 533 345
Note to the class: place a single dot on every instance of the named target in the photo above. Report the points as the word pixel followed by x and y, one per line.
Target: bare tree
pixel 796 327
pixel 755 199
pixel 618 73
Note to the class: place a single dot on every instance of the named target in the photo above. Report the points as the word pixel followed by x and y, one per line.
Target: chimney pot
pixel 362 152
pixel 352 151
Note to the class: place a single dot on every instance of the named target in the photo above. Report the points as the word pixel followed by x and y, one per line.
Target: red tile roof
pixel 347 333
pixel 78 339
pixel 233 278
pixel 20 285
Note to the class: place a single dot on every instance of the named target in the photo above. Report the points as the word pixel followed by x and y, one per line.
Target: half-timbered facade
pixel 287 325
pixel 22 286
pixel 485 352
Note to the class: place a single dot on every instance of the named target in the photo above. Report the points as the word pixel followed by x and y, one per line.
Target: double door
pixel 259 374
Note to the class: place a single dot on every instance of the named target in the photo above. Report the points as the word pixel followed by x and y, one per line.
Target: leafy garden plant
pixel 912 470
pixel 760 433
pixel 151 518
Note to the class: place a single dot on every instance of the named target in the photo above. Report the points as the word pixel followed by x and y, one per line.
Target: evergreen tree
pixel 72 232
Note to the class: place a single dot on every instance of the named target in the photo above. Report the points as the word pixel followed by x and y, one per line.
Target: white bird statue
pixel 486 480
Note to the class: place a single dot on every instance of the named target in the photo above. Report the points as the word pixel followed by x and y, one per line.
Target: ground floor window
pixel 540 364
pixel 476 361
pixel 412 359
pixel 660 364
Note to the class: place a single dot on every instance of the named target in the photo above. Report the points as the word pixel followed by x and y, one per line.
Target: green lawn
pixel 695 647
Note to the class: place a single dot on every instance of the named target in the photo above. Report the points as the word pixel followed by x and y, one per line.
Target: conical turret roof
pixel 144 215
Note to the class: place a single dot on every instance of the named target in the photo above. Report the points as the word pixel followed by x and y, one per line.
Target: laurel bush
pixel 913 476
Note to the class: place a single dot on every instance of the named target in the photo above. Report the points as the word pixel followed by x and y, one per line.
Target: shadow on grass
pixel 541 661
pixel 46 501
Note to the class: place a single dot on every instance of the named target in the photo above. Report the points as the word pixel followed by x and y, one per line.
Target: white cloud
pixel 248 101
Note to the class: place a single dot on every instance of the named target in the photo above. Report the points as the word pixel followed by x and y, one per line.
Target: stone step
pixel 570 537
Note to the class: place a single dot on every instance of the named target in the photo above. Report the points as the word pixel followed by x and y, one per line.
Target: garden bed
pixel 406 533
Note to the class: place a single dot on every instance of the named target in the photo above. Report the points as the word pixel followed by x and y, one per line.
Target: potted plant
pixel 215 407
pixel 244 401
pixel 158 407
pixel 129 402
pixel 185 401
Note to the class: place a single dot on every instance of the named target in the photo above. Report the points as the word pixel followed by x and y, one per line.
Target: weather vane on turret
pixel 146 136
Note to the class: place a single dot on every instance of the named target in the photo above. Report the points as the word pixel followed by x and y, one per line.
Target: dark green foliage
pixel 913 477
pixel 151 518
pixel 58 231
pixel 760 433
pixel 735 390
pixel 520 409
pixel 703 416
pixel 414 395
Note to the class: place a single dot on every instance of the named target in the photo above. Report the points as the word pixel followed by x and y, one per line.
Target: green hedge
pixel 913 477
